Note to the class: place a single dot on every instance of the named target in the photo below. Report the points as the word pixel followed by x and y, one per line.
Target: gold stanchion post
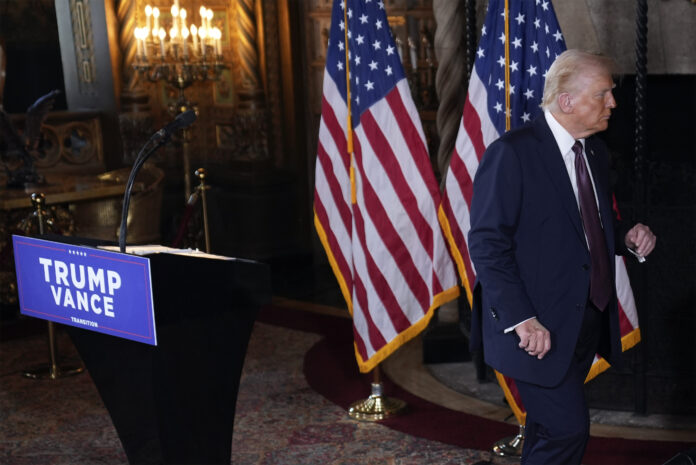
pixel 510 446
pixel 186 147
pixel 52 370
pixel 202 187
pixel 377 406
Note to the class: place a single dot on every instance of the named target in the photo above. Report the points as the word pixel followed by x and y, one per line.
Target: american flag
pixel 533 40
pixel 376 208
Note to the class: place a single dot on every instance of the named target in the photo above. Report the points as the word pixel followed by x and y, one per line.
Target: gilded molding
pixel 450 79
pixel 126 14
pixel 249 59
pixel 83 39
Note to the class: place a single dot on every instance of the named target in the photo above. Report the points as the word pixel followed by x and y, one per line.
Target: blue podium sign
pixel 99 290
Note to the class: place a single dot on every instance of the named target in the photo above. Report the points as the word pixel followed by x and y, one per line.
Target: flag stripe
pixel 396 247
pixel 333 245
pixel 376 138
pixel 334 186
pixel 406 118
pixel 472 126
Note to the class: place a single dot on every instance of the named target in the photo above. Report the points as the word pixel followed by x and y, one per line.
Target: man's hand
pixel 641 239
pixel 534 338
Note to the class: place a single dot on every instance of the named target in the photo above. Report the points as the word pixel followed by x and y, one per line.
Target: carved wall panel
pixel 71 142
pixel 80 13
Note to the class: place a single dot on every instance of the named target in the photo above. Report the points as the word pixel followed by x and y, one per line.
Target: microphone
pixel 182 120
pixel 161 137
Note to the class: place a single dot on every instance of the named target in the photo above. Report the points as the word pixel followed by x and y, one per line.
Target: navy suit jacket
pixel 530 253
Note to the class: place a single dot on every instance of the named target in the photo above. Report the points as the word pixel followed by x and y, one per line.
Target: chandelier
pixel 178 50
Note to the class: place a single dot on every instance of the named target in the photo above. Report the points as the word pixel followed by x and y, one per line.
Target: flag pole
pixel 508 111
pixel 510 446
pixel 377 406
pixel 349 124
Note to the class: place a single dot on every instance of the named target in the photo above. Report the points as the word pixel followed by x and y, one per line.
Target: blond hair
pixel 567 66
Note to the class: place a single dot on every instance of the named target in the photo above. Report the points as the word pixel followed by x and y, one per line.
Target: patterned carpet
pixel 279 418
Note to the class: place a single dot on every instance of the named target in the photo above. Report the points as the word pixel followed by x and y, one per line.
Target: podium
pixel 174 403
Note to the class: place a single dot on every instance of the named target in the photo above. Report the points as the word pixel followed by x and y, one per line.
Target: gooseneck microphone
pixel 183 120
pixel 161 137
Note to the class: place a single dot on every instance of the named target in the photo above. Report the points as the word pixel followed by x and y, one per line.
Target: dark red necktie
pixel 600 280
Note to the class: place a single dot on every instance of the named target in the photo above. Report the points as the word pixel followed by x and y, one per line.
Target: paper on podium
pixel 154 248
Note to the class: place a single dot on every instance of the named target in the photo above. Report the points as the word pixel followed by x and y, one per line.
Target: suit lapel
pixel 553 162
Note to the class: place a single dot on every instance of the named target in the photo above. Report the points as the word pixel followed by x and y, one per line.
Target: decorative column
pixel 248 52
pixel 251 121
pixel 451 78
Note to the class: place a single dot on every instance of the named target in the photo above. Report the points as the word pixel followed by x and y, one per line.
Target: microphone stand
pixel 139 161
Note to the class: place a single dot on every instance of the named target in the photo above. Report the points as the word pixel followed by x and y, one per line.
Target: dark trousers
pixel 558 424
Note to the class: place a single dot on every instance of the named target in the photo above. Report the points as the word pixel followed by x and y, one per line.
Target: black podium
pixel 174 403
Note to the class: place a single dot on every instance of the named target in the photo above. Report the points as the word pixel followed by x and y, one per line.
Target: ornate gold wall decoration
pixel 84 45
pixel 450 81
pixel 248 55
pixel 127 14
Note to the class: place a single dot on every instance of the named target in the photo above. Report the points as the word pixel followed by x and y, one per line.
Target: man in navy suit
pixel 543 237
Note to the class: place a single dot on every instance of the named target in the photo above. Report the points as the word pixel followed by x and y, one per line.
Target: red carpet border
pixel 331 370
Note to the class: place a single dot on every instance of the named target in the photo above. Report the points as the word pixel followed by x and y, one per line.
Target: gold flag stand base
pixel 52 370
pixel 376 407
pixel 510 446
